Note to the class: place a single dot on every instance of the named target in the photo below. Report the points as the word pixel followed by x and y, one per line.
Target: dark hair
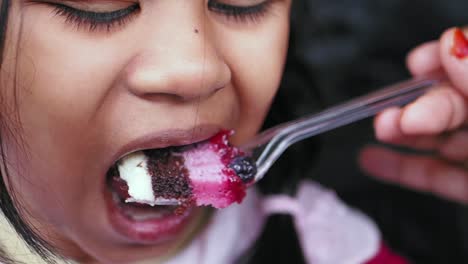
pixel 34 241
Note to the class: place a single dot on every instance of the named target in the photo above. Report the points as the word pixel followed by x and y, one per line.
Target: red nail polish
pixel 460 44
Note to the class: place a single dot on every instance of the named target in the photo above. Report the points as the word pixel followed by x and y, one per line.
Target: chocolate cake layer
pixel 169 176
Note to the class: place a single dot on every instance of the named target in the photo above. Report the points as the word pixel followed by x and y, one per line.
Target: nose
pixel 177 61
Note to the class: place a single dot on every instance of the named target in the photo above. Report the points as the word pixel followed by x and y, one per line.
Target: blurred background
pixel 341 49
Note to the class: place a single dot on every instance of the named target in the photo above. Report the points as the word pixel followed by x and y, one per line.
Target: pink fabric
pixel 326 228
pixel 329 232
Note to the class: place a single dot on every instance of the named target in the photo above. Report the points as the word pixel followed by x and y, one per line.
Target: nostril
pixel 156 97
pixel 183 84
pixel 182 76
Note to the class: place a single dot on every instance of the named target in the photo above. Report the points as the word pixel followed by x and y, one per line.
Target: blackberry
pixel 244 167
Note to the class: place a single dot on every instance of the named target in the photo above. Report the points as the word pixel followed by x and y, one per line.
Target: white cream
pixel 133 170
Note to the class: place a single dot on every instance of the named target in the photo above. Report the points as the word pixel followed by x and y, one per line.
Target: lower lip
pixel 151 231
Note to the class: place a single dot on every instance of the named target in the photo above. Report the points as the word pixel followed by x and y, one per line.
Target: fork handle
pixel 273 142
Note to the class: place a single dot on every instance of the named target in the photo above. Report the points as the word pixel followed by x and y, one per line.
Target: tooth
pixel 146 217
pixel 141 214
pixel 165 201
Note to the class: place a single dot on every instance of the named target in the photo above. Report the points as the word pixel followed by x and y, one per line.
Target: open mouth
pixel 208 173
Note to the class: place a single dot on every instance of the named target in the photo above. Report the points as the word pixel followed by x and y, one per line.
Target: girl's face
pixel 92 80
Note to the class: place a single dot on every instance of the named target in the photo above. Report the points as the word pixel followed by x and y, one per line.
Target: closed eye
pixel 240 13
pixel 96 20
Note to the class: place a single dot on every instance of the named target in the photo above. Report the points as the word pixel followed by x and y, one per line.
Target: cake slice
pixel 207 173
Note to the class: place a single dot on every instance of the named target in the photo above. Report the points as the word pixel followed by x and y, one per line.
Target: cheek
pixel 256 60
pixel 62 73
pixel 63 78
pixel 35 194
pixel 14 85
pixel 58 87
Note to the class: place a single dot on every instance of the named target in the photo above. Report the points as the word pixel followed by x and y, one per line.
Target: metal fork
pixel 268 146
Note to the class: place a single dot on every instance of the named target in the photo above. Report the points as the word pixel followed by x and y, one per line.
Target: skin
pixel 435 122
pixel 82 95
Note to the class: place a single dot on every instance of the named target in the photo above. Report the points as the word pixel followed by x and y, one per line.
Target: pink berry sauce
pixel 213 181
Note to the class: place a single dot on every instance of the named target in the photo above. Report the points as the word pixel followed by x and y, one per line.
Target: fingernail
pixel 460 44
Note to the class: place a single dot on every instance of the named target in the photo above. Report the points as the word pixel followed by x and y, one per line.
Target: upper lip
pixel 166 138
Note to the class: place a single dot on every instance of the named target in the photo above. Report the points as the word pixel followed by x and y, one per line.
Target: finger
pixel 424 59
pixel 388 130
pixel 456 67
pixel 437 111
pixel 417 172
pixel 387 126
pixel 455 146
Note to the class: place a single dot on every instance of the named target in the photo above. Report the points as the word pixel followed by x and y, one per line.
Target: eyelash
pixel 96 20
pixel 241 14
pixel 108 20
